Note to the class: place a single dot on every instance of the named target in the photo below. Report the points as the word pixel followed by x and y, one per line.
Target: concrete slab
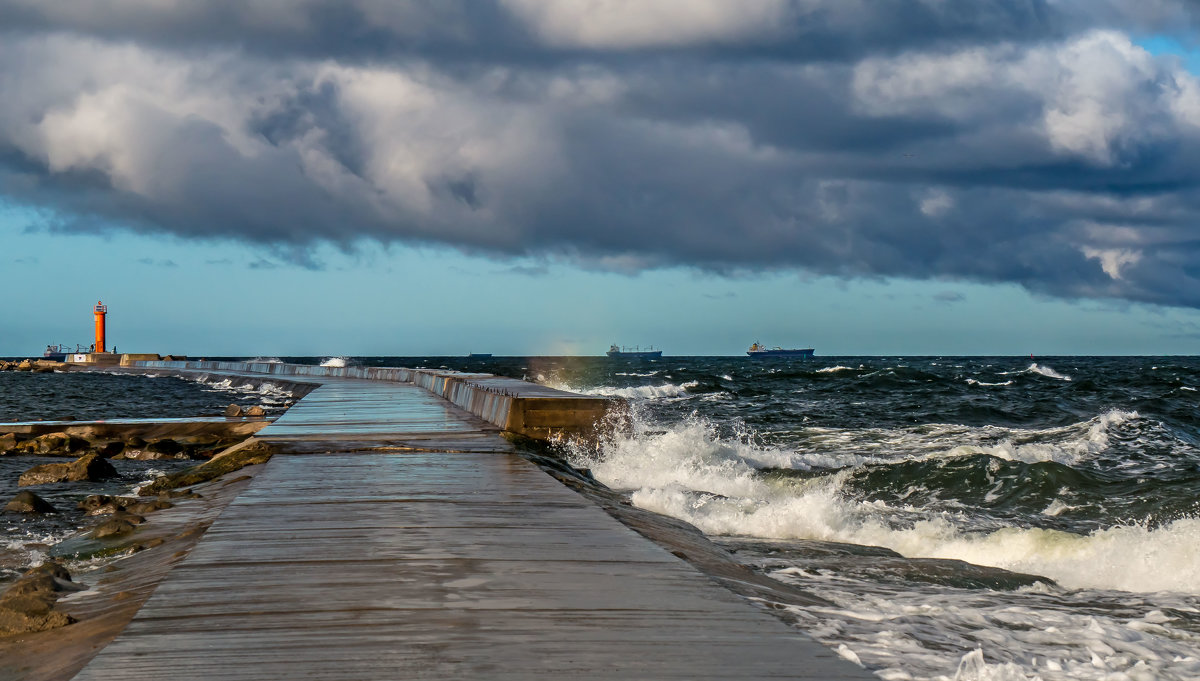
pixel 433 563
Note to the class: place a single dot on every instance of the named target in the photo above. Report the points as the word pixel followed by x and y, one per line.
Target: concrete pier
pixel 399 537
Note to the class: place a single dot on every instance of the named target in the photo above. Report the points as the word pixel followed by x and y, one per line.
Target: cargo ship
pixel 635 353
pixel 760 350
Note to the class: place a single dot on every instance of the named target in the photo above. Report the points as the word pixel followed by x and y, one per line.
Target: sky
pixel 371 177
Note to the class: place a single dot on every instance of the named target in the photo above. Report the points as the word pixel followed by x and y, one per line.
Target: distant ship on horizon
pixel 760 350
pixel 635 353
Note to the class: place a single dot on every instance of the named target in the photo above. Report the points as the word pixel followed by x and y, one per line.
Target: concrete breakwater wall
pixel 514 405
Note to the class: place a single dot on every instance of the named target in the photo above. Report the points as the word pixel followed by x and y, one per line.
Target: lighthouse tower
pixel 100 310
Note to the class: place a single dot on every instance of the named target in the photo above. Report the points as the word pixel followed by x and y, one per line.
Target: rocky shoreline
pixel 219 446
pixel 40 366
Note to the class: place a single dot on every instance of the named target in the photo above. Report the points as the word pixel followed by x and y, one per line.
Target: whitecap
pixel 637 392
pixel 1046 371
pixel 836 369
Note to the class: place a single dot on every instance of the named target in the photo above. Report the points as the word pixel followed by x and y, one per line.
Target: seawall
pixel 516 406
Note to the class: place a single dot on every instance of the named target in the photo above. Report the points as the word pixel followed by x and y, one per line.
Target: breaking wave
pixel 836 369
pixel 640 392
pixel 689 471
pixel 1036 368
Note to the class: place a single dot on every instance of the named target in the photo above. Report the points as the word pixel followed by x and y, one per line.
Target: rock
pixel 87 467
pixel 149 506
pixel 165 446
pixel 110 449
pixel 233 410
pixel 107 509
pixel 131 518
pixel 112 528
pixel 45 474
pixel 28 502
pixel 95 501
pixel 60 443
pixel 28 605
pixel 92 467
pixel 256 411
pixel 52 444
pixel 25 365
pixel 135 442
pixel 8 442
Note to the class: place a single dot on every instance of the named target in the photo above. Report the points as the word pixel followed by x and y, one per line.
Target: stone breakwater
pixel 40 366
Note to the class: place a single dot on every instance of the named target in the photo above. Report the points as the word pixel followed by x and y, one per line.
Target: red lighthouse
pixel 100 310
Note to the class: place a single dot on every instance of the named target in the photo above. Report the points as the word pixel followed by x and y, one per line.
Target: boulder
pixel 112 528
pixel 135 442
pixel 233 410
pixel 87 467
pixel 45 474
pixel 58 444
pixel 25 365
pixel 28 605
pixel 131 518
pixel 95 501
pixel 108 509
pixel 165 446
pixel 92 467
pixel 8 442
pixel 148 506
pixel 110 449
pixel 28 502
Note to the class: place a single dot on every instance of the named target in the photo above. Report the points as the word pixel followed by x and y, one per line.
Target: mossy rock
pixel 254 452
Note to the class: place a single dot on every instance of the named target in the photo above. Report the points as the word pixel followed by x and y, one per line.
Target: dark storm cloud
pixel 1019 141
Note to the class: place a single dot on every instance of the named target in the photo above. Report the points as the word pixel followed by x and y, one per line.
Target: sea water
pixel 877 483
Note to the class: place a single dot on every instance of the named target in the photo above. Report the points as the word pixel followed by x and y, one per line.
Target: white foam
pixel 335 362
pixel 689 471
pixel 1048 372
pixel 971 381
pixel 638 392
pixel 1127 558
pixel 975 635
pixel 265 360
pixel 836 369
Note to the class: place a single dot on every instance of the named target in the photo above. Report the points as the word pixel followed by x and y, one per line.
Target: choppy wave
pixel 639 392
pixel 265 360
pixel 971 381
pixel 269 394
pixel 1085 636
pixel 335 362
pixel 1048 372
pixel 689 471
pixel 836 369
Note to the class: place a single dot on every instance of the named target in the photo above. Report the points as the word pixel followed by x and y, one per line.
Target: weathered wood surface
pixel 438 565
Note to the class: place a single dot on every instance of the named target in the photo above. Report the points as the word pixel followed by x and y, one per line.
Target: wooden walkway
pixel 434 563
